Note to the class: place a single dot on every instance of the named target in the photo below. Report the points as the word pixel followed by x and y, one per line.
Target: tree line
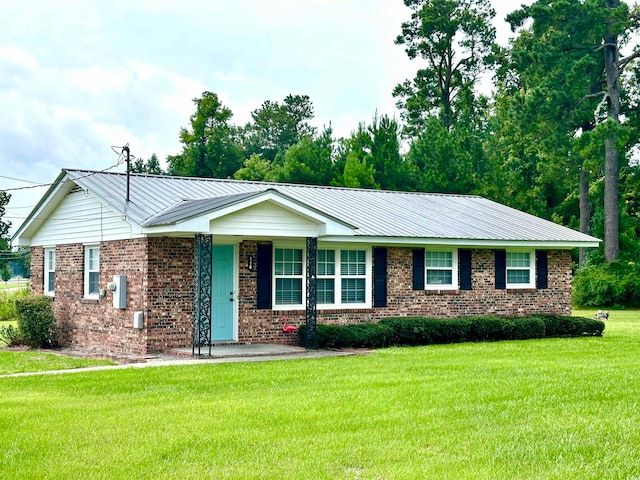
pixel 555 138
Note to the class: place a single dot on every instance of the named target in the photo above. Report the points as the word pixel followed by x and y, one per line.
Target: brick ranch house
pixel 151 263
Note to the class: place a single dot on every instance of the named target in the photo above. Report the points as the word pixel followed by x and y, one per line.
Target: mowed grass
pixel 536 409
pixel 12 362
pixel 12 285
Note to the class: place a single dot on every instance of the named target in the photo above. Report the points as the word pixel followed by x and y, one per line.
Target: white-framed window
pixel 343 277
pixel 441 269
pixel 353 277
pixel 326 281
pixel 288 273
pixel 49 271
pixel 520 269
pixel 91 271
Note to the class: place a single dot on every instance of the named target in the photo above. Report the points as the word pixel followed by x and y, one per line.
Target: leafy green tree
pixel 357 173
pixel 558 77
pixel 371 157
pixel 454 39
pixel 21 262
pixel 390 169
pixel 310 161
pixel 5 273
pixel 619 25
pixel 150 166
pixel 211 147
pixel 547 88
pixel 278 126
pixel 353 161
pixel 445 159
pixel 259 169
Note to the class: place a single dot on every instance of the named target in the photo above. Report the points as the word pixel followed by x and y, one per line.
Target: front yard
pixel 535 409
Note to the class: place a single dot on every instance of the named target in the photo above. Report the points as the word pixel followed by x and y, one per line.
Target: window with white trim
pixel 343 278
pixel 441 269
pixel 49 271
pixel 326 281
pixel 353 275
pixel 520 270
pixel 91 271
pixel 289 276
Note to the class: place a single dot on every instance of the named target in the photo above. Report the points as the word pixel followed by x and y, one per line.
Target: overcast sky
pixel 80 76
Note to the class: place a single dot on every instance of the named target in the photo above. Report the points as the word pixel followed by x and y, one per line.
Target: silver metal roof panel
pixel 375 213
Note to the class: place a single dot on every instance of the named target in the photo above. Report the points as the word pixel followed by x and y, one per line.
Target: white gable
pixel 264 219
pixel 80 218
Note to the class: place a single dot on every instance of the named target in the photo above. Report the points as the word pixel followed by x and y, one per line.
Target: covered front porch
pixel 231 284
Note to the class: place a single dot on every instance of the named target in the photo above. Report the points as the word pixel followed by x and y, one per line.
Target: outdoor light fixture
pixel 250 263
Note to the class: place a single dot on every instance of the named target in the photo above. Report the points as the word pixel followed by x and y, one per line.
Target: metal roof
pixel 157 200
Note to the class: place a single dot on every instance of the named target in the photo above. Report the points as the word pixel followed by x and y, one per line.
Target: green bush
pixel 36 321
pixel 454 330
pixel 371 335
pixel 10 336
pixel 334 336
pixel 413 331
pixel 410 330
pixel 7 303
pixel 366 335
pixel 615 284
pixel 564 326
pixel 487 329
pixel 525 328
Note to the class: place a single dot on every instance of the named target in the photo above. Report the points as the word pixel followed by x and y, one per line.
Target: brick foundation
pixel 160 284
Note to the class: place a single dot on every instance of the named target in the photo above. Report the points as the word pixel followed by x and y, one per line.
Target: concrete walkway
pixel 219 354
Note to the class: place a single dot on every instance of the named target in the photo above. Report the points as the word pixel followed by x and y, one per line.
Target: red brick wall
pixel 94 325
pixel 170 290
pixel 483 298
pixel 160 284
pixel 37 270
pixel 266 325
pixel 161 288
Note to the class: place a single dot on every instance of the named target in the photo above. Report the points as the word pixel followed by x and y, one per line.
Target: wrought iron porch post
pixel 203 263
pixel 311 312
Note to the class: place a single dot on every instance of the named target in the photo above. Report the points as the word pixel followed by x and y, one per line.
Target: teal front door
pixel 222 301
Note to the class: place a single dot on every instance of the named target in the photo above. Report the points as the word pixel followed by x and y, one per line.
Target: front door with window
pixel 222 301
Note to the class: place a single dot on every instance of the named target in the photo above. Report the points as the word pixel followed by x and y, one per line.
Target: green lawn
pixel 536 409
pixel 38 361
pixel 14 285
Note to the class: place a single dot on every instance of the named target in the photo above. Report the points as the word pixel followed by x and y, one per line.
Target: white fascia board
pixel 327 225
pixel 409 241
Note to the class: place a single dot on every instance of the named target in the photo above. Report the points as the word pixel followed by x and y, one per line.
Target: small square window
pixel 441 269
pixel 288 291
pixel 353 262
pixel 325 290
pixel 519 270
pixel 353 290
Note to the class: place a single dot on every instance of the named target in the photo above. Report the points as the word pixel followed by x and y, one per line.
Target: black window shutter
pixel 265 257
pixel 501 269
pixel 541 269
pixel 379 277
pixel 418 269
pixel 464 258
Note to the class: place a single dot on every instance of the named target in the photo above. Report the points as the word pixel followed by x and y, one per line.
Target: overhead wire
pixel 121 160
